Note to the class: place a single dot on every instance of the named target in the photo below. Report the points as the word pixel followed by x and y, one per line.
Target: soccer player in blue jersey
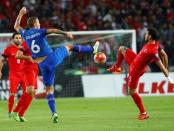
pixel 47 59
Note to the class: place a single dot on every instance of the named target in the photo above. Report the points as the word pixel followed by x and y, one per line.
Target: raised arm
pixel 57 31
pixel 164 58
pixel 18 19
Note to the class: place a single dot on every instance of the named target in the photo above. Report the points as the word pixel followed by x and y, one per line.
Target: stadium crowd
pixel 80 15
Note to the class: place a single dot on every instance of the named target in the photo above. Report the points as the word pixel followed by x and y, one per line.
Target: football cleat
pixel 55 118
pixel 15 116
pixel 10 114
pixel 22 119
pixel 143 116
pixel 95 47
pixel 114 68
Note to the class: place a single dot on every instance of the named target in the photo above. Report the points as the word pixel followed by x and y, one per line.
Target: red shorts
pixel 133 78
pixel 134 74
pixel 15 82
pixel 31 77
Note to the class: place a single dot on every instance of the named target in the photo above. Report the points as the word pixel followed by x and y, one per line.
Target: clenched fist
pixel 23 11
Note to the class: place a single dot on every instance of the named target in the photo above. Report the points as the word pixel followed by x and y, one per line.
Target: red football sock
pixel 138 102
pixel 26 104
pixel 120 59
pixel 10 103
pixel 20 102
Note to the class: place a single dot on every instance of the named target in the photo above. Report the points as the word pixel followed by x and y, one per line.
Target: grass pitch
pixel 101 114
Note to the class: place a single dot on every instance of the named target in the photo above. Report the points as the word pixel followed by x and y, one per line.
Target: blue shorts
pixel 48 65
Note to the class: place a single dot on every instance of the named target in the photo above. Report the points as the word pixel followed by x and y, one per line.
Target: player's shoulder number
pixel 34 47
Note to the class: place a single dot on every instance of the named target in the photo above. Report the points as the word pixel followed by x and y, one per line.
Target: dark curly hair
pixel 153 32
pixel 15 33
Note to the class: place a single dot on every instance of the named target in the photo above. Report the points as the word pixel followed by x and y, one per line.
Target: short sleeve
pixel 156 57
pixel 160 47
pixel 42 31
pixel 22 32
pixel 6 53
pixel 155 51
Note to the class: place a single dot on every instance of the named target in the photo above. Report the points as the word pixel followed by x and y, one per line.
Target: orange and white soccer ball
pixel 100 58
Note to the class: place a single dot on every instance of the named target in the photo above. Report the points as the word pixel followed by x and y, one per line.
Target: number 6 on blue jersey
pixel 34 47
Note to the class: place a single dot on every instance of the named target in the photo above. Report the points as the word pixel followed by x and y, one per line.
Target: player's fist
pixel 31 59
pixel 23 11
pixel 69 35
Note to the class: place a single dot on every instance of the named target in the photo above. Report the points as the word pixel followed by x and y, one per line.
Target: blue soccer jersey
pixel 36 41
pixel 38 44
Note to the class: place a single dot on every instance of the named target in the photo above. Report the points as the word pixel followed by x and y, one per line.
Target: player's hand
pixel 170 80
pixel 69 35
pixel 31 59
pixel 23 11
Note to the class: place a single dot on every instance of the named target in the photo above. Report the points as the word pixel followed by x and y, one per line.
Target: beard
pixel 17 43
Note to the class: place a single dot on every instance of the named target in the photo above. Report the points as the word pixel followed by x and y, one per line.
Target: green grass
pixel 101 114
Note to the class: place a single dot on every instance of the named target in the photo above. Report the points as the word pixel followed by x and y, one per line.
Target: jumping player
pixel 30 76
pixel 15 69
pixel 138 64
pixel 47 58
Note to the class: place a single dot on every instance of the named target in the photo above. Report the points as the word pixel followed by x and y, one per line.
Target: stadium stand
pixel 98 15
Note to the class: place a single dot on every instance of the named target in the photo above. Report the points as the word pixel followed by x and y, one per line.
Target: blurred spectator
pixel 98 15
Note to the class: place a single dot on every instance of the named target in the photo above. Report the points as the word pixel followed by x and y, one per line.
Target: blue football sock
pixel 82 48
pixel 51 102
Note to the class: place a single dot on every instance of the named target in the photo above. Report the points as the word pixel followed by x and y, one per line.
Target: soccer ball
pixel 100 58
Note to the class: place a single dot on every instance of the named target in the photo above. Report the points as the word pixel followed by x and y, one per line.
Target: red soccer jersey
pixel 15 65
pixel 147 54
pixel 27 63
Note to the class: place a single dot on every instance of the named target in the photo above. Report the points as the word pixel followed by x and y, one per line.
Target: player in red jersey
pixel 138 64
pixel 15 68
pixel 30 75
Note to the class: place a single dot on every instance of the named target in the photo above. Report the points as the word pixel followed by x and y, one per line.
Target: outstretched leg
pixel 84 49
pixel 124 53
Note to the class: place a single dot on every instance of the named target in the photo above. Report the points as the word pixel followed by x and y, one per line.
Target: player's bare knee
pixel 32 94
pixel 132 92
pixel 122 49
pixel 31 91
pixel 12 94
